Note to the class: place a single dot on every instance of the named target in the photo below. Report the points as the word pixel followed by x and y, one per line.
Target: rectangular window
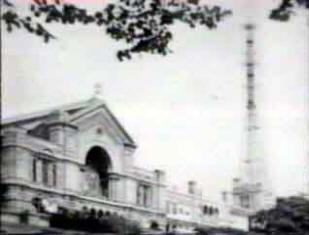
pixel 150 195
pixel 34 170
pixel 145 188
pixel 168 207
pixel 54 175
pixel 245 201
pixel 144 195
pixel 138 195
pixel 174 209
pixel 45 172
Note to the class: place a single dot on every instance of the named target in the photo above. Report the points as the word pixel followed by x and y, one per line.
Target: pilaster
pixel 161 190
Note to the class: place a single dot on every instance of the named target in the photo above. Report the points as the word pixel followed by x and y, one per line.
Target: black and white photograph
pixel 154 117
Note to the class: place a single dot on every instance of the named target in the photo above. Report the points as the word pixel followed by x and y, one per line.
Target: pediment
pixel 88 114
pixel 100 121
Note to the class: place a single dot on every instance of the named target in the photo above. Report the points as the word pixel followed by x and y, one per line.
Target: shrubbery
pixel 289 216
pixel 219 231
pixel 88 222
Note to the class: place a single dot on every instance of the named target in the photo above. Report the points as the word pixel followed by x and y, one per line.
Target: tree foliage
pixel 144 25
pixel 219 231
pixel 287 8
pixel 289 216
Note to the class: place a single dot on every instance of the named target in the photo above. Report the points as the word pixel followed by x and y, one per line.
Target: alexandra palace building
pixel 79 157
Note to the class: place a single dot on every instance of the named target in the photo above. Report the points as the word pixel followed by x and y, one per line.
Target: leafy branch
pixel 287 8
pixel 143 24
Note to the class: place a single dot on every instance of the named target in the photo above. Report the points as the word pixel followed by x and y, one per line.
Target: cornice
pixel 42 153
pixel 64 193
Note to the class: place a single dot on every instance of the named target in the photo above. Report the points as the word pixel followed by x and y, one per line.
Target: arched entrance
pixel 98 165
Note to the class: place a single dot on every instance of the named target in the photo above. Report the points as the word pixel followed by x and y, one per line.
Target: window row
pixel 144 195
pixel 209 210
pixel 172 208
pixel 244 201
pixel 44 171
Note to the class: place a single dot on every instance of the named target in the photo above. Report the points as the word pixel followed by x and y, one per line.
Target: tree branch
pixel 143 24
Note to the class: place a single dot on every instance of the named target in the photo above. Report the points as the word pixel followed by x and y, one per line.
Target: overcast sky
pixel 186 111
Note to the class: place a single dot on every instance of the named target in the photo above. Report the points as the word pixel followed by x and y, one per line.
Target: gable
pixel 100 118
pixel 92 113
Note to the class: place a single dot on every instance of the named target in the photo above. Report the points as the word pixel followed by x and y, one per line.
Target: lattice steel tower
pixel 252 191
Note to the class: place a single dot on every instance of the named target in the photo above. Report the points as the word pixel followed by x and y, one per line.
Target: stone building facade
pixel 79 157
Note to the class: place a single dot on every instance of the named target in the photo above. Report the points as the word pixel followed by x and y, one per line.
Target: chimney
pixel 224 197
pixel 236 182
pixel 192 187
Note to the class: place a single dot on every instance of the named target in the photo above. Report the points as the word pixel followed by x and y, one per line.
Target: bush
pixel 289 216
pixel 89 222
pixel 219 231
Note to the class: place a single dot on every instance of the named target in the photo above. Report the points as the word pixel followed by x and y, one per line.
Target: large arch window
pixel 98 165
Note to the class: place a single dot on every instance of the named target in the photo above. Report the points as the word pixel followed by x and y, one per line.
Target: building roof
pixel 74 110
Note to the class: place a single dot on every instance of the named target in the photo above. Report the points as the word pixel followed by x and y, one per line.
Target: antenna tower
pixel 251 191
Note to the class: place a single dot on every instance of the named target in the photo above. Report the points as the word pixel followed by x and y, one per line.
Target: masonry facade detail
pixel 79 156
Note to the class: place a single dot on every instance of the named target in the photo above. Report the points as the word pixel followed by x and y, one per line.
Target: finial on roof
pixel 97 97
pixel 249 26
pixel 98 90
